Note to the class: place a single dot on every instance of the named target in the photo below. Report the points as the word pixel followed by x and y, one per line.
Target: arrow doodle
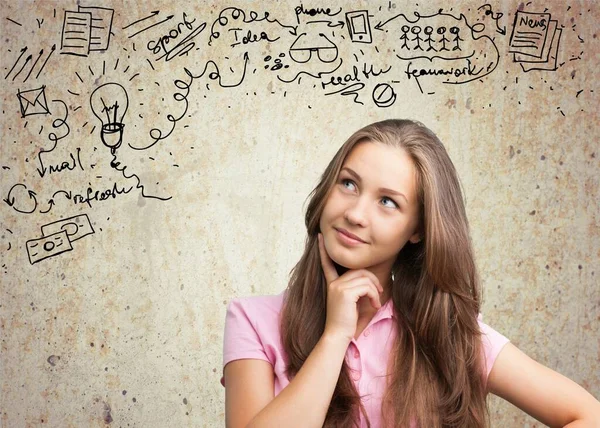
pixel 152 14
pixel 10 199
pixel 33 66
pixel 16 62
pixel 153 25
pixel 26 61
pixel 44 64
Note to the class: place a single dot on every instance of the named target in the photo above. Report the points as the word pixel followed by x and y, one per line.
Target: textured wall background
pixel 118 257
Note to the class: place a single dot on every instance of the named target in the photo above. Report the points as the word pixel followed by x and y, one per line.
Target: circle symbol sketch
pixel 384 95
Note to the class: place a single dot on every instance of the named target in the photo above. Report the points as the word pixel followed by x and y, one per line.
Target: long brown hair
pixel 435 370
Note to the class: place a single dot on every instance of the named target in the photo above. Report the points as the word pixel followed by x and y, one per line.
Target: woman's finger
pixel 362 273
pixel 363 287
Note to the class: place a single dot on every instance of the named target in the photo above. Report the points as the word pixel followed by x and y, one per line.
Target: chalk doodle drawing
pixel 148 27
pixel 358 26
pixel 535 41
pixel 185 43
pixel 109 104
pixel 21 199
pixel 33 65
pixel 58 236
pixel 33 101
pixel 59 123
pixel 302 49
pixel 495 16
pixel 304 13
pixel 238 17
pixel 313 50
pixel 366 56
pixel 86 30
pixel 48 246
pixel 384 95
pixel 76 227
pixel 432 48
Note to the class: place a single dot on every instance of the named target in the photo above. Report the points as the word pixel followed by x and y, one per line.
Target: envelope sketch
pixel 33 102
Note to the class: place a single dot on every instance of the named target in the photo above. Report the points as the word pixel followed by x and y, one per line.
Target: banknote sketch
pixel 58 236
pixel 48 246
pixel 76 227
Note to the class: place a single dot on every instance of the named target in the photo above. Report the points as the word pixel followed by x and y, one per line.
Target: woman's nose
pixel 357 213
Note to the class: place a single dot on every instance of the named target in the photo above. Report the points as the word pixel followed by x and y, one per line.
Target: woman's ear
pixel 415 238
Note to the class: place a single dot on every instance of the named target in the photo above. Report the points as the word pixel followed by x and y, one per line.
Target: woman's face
pixel 375 200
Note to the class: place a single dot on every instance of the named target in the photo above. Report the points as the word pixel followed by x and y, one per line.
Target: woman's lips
pixel 348 238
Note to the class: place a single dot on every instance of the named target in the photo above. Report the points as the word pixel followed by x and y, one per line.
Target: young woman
pixel 380 325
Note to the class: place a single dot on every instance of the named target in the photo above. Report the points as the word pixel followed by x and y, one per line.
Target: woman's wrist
pixel 336 339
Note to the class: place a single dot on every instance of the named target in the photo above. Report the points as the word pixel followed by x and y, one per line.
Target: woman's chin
pixel 345 264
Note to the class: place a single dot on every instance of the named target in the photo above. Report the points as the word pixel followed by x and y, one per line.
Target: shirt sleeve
pixel 241 339
pixel 493 342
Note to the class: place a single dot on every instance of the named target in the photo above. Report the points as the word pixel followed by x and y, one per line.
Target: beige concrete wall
pixel 112 304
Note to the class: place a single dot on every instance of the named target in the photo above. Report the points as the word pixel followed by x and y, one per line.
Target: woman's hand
pixel 343 294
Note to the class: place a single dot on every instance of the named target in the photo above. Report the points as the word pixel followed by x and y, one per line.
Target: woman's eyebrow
pixel 381 189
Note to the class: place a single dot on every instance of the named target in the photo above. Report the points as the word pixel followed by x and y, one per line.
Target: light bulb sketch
pixel 109 104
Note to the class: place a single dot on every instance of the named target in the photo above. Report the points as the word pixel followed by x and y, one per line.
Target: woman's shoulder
pixel 491 336
pixel 493 341
pixel 264 307
pixel 252 329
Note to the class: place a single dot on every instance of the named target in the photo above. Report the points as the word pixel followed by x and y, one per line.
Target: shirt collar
pixel 386 311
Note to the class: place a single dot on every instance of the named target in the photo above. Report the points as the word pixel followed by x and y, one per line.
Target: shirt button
pixel 356 375
pixel 367 332
pixel 356 354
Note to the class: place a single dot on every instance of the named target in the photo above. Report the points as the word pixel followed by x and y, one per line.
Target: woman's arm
pixel 546 395
pixel 305 401
pixel 249 389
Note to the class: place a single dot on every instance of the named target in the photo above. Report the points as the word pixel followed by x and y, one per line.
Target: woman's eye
pixel 388 202
pixel 348 184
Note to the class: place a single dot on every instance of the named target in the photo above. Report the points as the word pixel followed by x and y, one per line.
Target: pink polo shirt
pixel 252 332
